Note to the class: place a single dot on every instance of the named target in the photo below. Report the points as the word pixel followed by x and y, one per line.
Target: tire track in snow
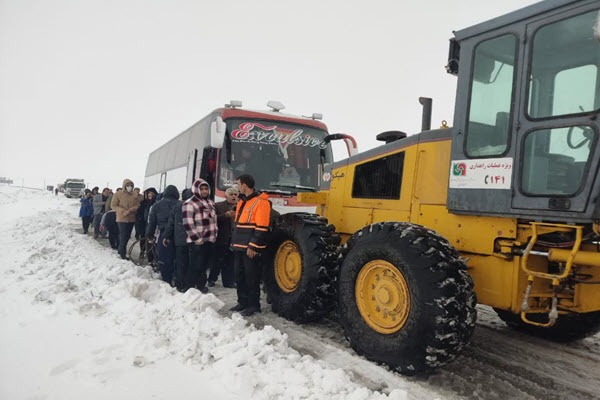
pixel 538 368
pixel 499 363
pixel 324 341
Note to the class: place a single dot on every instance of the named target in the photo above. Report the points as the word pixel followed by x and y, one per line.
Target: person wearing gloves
pixel 200 223
pixel 125 202
pixel 158 217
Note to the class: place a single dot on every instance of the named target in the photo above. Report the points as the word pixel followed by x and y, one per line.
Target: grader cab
pixel 502 209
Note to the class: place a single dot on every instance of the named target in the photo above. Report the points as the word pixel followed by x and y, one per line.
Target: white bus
pixel 284 153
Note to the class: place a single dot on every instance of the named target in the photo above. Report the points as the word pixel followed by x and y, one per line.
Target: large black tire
pixel 439 310
pixel 309 241
pixel 568 327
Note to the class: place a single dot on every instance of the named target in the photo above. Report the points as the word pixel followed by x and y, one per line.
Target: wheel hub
pixel 382 296
pixel 288 266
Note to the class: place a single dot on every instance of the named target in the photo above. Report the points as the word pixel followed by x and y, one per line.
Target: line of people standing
pixel 198 240
pixel 203 236
pixel 95 211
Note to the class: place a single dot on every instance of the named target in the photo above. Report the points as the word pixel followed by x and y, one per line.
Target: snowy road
pixel 78 320
pixel 499 363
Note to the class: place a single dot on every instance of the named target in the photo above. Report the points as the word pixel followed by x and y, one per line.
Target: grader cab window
pixel 379 179
pixel 555 159
pixel 564 82
pixel 491 97
pixel 564 68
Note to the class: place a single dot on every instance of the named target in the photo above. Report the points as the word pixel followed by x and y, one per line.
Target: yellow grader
pixel 501 209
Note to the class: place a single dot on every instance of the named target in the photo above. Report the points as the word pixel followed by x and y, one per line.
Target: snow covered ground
pixel 76 321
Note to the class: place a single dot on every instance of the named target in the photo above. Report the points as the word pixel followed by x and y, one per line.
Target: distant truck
pixel 74 187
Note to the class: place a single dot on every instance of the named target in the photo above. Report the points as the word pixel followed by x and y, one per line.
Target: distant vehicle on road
pixel 74 187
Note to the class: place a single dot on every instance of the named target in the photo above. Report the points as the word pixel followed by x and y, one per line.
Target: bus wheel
pixel 302 266
pixel 568 327
pixel 405 298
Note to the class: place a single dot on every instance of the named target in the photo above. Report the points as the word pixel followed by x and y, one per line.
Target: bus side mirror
pixel 217 133
pixel 348 140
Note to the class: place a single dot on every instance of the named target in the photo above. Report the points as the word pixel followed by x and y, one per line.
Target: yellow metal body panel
pixel 431 173
pixel 354 218
pixel 335 199
pixel 587 298
pixel 495 280
pixel 350 214
pixel 468 233
pixel 484 241
pixel 313 197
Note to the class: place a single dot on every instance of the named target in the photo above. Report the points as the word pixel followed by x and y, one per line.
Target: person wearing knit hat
pixel 200 222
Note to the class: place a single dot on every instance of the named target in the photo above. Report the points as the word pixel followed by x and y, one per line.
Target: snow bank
pixel 66 274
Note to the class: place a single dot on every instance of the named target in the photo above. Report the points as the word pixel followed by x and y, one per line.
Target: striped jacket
pixel 199 216
pixel 252 218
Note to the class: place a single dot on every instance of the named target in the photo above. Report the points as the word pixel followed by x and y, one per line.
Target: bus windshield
pixel 282 158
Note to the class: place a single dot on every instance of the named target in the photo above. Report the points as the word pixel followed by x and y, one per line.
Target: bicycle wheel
pixel 137 256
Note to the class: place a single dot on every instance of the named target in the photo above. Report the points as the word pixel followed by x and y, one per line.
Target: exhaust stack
pixel 426 118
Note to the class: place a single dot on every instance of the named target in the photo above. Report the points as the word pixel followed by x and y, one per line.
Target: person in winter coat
pixel 249 239
pixel 158 218
pixel 108 224
pixel 175 234
pixel 109 200
pixel 86 210
pixel 141 216
pixel 141 219
pixel 200 223
pixel 99 209
pixel 126 204
pixel 224 256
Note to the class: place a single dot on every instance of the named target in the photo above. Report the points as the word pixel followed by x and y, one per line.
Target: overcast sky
pixel 89 88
